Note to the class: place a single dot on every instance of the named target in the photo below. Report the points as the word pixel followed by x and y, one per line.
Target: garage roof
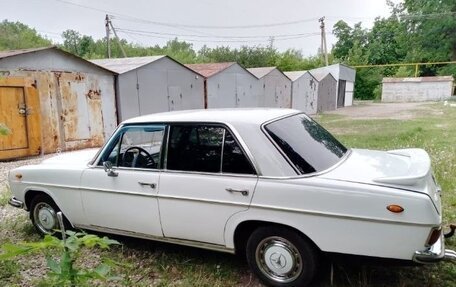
pixel 123 65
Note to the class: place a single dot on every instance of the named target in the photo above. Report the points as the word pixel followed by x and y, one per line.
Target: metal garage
pixel 53 101
pixel 304 91
pixel 276 87
pixel 227 85
pixel 345 77
pixel 147 85
pixel 327 87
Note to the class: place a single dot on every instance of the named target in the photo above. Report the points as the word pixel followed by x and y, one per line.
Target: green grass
pixel 147 263
pixel 5 195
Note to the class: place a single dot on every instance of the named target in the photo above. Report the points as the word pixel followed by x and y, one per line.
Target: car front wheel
pixel 281 257
pixel 43 213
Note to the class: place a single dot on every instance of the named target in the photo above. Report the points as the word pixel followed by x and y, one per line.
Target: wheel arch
pixel 245 228
pixel 30 193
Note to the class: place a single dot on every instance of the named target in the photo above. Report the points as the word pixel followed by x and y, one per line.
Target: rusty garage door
pixel 20 113
pixel 81 114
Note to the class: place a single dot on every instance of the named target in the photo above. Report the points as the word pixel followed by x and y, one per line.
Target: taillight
pixel 434 236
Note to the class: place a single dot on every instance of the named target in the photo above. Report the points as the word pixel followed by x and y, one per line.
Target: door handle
pixel 152 185
pixel 244 192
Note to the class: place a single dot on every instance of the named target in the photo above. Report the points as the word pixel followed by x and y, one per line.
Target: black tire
pixel 281 257
pixel 43 205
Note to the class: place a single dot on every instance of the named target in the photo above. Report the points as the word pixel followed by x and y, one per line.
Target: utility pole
pixel 324 50
pixel 108 43
pixel 118 40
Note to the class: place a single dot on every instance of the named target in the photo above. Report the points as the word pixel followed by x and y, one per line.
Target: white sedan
pixel 270 183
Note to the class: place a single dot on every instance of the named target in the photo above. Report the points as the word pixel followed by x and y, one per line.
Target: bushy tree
pixel 15 35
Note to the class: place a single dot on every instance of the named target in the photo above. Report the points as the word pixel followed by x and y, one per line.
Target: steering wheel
pixel 142 152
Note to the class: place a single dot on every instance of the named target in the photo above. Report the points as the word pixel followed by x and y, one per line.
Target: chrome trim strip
pixel 191 243
pixel 203 200
pixel 165 159
pixel 349 217
pixel 123 168
pixel 223 150
pixel 212 173
pixel 158 196
pixel 15 202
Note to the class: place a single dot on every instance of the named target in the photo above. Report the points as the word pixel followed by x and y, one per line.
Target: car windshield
pixel 308 146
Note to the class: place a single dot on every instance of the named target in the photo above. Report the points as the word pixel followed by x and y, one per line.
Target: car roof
pixel 229 116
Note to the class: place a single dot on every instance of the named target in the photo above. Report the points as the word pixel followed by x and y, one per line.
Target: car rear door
pixel 207 179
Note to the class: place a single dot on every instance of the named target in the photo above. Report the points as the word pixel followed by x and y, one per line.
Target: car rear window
pixel 307 146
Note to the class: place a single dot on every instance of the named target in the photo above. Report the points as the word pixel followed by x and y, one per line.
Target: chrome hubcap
pixel 278 259
pixel 45 218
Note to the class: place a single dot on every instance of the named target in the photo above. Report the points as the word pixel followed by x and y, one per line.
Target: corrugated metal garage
pixel 76 98
pixel 417 89
pixel 327 87
pixel 227 85
pixel 275 87
pixel 304 91
pixel 345 77
pixel 147 85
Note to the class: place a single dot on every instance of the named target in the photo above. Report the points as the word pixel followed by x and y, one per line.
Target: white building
pixel 418 89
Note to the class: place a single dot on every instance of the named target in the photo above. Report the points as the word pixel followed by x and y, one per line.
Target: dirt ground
pixel 371 110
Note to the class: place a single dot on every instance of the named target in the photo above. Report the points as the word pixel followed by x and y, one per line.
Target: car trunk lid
pixel 404 169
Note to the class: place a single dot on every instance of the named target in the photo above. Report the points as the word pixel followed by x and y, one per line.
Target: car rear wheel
pixel 281 257
pixel 43 213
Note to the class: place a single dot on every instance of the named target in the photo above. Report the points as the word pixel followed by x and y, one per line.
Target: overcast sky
pixel 294 23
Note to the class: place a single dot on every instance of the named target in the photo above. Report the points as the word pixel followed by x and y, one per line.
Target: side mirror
pixel 107 165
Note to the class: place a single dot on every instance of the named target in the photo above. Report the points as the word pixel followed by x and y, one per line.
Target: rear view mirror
pixel 107 165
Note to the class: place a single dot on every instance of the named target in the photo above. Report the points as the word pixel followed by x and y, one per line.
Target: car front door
pixel 124 199
pixel 207 179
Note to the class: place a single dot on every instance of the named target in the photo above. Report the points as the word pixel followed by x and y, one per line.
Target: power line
pixel 265 25
pixel 213 41
pixel 220 36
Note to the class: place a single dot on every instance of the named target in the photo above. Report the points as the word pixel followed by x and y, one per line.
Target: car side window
pixel 136 147
pixel 195 148
pixel 234 160
pixel 199 148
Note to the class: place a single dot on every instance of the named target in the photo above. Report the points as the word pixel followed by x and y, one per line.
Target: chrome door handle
pixel 152 185
pixel 244 192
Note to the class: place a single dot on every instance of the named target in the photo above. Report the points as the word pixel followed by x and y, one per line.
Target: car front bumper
pixel 435 253
pixel 15 202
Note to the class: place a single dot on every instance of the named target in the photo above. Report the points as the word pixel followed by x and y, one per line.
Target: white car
pixel 268 182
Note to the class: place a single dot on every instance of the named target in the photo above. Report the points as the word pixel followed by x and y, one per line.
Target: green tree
pixel 77 44
pixel 180 50
pixel 386 41
pixel 347 37
pixel 15 35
